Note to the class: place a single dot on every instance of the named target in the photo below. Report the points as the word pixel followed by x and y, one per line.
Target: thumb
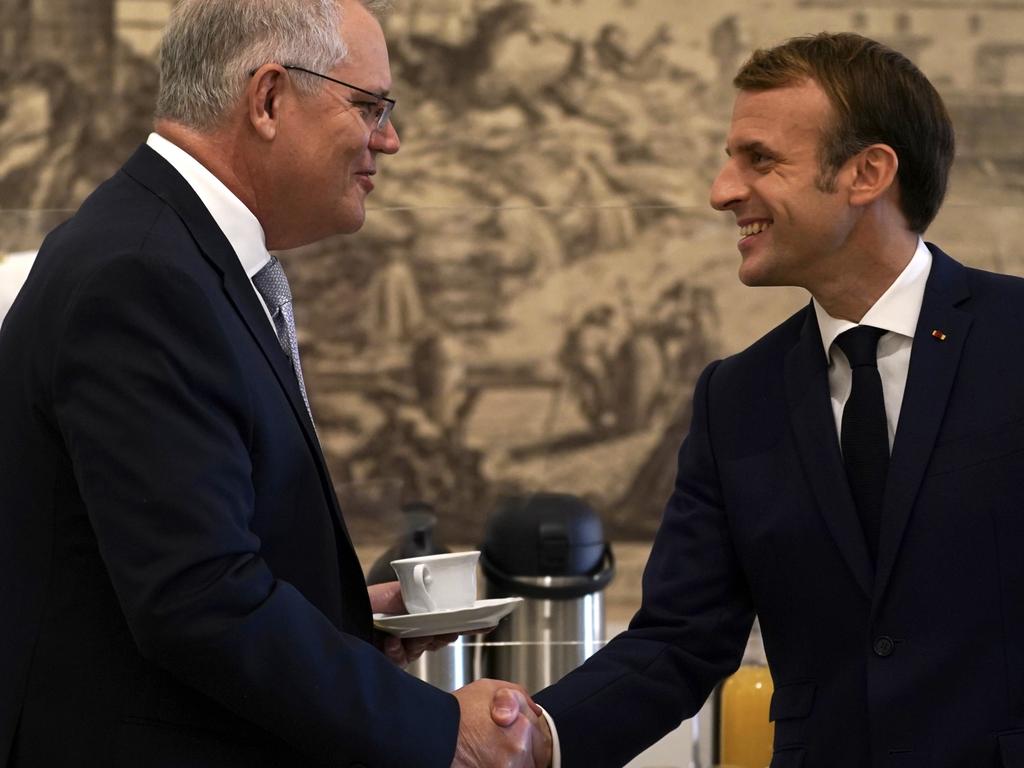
pixel 530 710
pixel 504 707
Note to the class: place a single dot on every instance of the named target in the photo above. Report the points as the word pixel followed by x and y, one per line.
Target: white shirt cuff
pixel 556 749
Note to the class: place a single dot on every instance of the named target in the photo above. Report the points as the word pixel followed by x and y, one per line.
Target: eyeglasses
pixel 375 113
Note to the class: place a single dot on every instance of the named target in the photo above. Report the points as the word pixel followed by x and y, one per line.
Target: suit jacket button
pixel 883 646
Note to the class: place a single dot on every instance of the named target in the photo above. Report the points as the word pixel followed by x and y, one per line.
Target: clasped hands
pixel 499 725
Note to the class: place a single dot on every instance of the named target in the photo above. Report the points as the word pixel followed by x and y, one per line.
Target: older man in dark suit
pixel 177 587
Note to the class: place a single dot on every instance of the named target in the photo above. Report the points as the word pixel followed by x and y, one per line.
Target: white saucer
pixel 483 614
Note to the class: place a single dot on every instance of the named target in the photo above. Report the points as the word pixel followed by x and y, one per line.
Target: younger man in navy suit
pixel 854 477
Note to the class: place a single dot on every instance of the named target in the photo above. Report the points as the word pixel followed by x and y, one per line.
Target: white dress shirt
pixel 896 311
pixel 242 229
pixel 556 749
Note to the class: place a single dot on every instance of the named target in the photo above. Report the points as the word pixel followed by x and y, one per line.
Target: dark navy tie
pixel 865 431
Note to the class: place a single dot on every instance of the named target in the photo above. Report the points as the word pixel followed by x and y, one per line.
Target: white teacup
pixel 438 582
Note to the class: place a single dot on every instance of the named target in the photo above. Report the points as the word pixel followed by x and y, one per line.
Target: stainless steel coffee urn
pixel 548 548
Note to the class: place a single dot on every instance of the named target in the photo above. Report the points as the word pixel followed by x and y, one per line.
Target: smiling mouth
pixel 754 228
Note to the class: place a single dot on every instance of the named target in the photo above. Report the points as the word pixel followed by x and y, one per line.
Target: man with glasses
pixel 177 585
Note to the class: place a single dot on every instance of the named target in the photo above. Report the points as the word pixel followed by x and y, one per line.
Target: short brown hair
pixel 879 97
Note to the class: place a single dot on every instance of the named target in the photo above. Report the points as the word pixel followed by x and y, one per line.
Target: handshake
pixel 500 726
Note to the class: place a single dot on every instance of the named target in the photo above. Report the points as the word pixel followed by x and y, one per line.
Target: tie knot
pixel 272 283
pixel 860 345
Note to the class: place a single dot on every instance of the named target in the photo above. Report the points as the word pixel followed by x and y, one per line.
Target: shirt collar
pixel 896 310
pixel 239 225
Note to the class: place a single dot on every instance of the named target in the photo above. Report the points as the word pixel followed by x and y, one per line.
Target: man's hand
pixel 508 704
pixel 501 727
pixel 387 598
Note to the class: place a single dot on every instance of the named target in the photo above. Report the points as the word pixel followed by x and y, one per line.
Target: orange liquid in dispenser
pixel 745 734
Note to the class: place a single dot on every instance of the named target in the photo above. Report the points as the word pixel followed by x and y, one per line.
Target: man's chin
pixel 762 270
pixel 351 220
pixel 328 229
pixel 751 276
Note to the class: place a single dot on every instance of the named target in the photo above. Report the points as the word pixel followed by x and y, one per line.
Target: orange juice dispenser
pixel 744 732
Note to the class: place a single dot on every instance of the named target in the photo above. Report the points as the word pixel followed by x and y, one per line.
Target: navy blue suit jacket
pixel 177 587
pixel 916 662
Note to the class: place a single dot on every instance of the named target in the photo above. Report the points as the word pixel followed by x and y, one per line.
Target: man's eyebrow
pixel 379 92
pixel 748 148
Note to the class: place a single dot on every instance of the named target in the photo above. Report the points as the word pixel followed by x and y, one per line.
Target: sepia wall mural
pixel 540 280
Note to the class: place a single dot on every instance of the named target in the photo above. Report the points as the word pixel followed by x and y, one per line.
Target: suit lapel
pixel 933 367
pixel 150 169
pixel 814 431
pixel 165 182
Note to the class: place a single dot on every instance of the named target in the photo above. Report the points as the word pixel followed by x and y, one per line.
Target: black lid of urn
pixel 530 538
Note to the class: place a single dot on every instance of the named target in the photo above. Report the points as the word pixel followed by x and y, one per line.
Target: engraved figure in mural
pixel 427 459
pixel 56 146
pixel 393 308
pixel 432 65
pixel 623 370
pixel 587 355
pixel 612 52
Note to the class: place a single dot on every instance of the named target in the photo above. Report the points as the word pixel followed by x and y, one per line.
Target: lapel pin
pixel 938 335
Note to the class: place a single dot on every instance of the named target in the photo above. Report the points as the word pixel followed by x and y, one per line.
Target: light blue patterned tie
pixel 272 283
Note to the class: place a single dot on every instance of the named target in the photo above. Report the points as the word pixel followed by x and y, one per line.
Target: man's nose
pixel 728 188
pixel 386 140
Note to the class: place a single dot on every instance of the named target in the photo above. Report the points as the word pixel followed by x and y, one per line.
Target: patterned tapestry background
pixel 540 280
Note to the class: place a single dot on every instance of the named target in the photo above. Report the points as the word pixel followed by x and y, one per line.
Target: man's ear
pixel 874 173
pixel 263 97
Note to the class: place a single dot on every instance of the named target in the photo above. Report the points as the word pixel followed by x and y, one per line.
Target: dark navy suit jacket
pixel 177 587
pixel 916 662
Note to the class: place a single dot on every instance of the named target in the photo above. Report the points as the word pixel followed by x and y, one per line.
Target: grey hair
pixel 210 47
